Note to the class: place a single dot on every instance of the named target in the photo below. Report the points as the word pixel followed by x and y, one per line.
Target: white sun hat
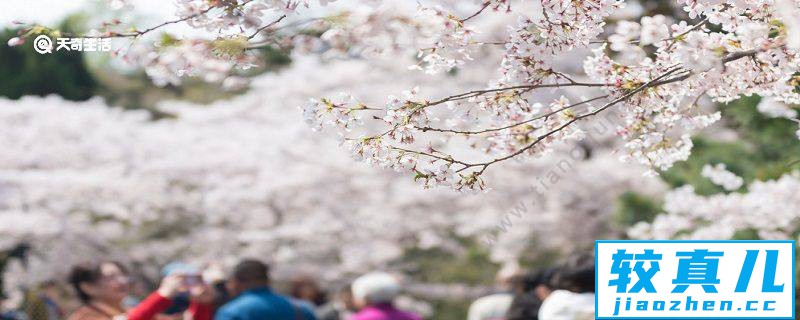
pixel 376 287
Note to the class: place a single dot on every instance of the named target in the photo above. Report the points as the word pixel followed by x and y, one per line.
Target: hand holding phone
pixel 192 280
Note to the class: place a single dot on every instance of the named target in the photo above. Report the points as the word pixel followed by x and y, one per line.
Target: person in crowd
pixel 496 305
pixel 6 312
pixel 42 303
pixel 254 300
pixel 574 299
pixel 137 290
pixel 342 307
pixel 103 286
pixel 304 287
pixel 191 275
pixel 374 294
pixel 214 275
pixel 528 297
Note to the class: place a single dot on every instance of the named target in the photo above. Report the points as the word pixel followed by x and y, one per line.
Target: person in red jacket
pixel 102 287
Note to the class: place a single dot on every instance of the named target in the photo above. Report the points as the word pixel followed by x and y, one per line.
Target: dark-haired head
pixel 533 288
pixel 49 283
pixel 304 287
pixel 528 282
pixel 576 274
pixel 105 282
pixel 248 274
pixel 538 284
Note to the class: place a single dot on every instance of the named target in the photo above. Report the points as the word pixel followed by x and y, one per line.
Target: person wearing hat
pixel 374 294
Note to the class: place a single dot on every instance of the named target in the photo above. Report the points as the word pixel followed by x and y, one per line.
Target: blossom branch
pixel 138 33
pixel 259 30
pixel 425 129
pixel 652 83
pixel 483 7
pixel 476 93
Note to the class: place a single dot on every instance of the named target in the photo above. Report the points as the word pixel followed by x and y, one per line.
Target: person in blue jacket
pixel 254 300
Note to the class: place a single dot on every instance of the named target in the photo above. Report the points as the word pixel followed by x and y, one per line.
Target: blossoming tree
pixel 651 70
pixel 760 202
pixel 245 177
pixel 660 69
pixel 768 208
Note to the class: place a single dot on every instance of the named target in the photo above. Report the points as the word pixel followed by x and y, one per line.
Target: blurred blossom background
pixel 98 160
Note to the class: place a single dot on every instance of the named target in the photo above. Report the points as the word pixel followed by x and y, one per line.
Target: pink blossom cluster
pixel 719 175
pixel 654 74
pixel 556 64
pixel 169 65
pixel 252 180
pixel 770 208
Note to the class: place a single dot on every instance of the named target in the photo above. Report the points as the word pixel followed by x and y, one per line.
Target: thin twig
pixel 475 93
pixel 571 121
pixel 266 27
pixel 424 129
pixel 485 5
pixel 138 33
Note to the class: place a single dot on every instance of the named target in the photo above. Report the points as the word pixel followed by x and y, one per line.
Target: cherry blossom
pixel 245 177
pixel 15 41
pixel 768 207
pixel 776 109
pixel 788 10
pixel 655 94
pixel 452 48
pixel 652 71
pixel 516 84
pixel 722 177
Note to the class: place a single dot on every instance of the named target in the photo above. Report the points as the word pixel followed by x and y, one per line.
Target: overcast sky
pixel 49 12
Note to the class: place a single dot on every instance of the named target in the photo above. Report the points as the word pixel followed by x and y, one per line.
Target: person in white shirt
pixel 495 306
pixel 574 300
